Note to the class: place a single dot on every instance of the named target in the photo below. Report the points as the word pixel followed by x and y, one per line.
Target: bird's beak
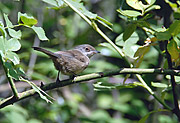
pixel 96 51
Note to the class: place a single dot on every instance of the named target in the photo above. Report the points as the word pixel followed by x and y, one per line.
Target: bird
pixel 71 62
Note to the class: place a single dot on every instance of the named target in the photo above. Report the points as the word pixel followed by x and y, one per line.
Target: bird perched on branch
pixel 71 62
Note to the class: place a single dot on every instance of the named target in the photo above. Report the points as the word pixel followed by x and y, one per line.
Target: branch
pixel 82 78
pixel 176 109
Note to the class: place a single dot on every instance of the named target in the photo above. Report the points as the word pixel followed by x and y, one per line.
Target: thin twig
pixel 11 82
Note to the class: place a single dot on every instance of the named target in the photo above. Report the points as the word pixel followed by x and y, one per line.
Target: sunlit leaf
pixel 135 4
pixel 2 45
pixel 129 13
pixel 119 40
pixel 2 29
pixel 12 57
pixel 26 20
pixel 159 85
pixel 8 22
pixel 14 34
pixel 12 44
pixel 53 2
pixel 177 78
pixel 150 2
pixel 102 86
pixel 109 50
pixel 40 32
pixel 130 46
pixel 129 31
pixel 82 9
pixel 104 22
pixel 79 6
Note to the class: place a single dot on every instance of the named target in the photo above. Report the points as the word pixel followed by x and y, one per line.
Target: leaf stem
pixel 11 82
pixel 151 92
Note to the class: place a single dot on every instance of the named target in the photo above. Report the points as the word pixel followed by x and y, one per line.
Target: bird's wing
pixel 73 54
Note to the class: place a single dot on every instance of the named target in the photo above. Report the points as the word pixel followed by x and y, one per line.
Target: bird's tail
pixel 49 53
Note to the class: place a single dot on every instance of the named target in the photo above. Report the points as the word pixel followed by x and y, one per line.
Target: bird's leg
pixel 73 76
pixel 59 73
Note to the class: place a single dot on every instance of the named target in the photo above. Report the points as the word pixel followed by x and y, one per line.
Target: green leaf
pixel 159 85
pixel 14 34
pixel 82 9
pixel 37 89
pixel 177 78
pixel 2 44
pixel 8 22
pixel 12 57
pixel 102 86
pixel 11 71
pixel 15 108
pixel 2 29
pixel 174 28
pixel 57 3
pixel 26 20
pixel 12 45
pixel 109 50
pixel 52 2
pixel 150 2
pixel 129 13
pixel 78 5
pixel 104 22
pixel 176 15
pixel 42 93
pixel 140 53
pixel 129 31
pixel 130 46
pixel 136 4
pixel 173 49
pixel 163 35
pixel 40 32
pixel 143 120
pixel 130 85
pixel 20 71
pixel 119 40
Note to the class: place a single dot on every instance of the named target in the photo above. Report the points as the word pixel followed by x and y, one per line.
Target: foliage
pixel 139 42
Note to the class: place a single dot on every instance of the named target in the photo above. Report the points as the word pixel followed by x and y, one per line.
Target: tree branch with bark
pixel 83 78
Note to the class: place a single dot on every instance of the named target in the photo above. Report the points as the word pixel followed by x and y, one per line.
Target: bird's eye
pixel 87 49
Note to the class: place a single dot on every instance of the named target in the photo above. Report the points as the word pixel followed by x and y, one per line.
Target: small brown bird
pixel 71 62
